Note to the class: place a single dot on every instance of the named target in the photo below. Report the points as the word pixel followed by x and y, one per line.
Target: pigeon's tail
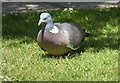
pixel 88 34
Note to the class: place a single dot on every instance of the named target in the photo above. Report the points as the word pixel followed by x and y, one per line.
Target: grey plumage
pixel 59 38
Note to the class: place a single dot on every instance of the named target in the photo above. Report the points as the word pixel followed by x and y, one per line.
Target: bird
pixel 59 38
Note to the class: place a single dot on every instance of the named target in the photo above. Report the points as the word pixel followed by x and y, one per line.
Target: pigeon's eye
pixel 44 18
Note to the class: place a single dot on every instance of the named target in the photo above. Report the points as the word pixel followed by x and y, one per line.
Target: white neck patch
pixel 54 30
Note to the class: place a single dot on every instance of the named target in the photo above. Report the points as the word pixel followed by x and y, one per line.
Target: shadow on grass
pixel 67 55
pixel 19 25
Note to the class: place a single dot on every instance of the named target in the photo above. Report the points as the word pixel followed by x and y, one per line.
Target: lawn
pixel 97 60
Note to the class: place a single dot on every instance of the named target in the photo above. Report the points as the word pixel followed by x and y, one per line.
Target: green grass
pixel 98 59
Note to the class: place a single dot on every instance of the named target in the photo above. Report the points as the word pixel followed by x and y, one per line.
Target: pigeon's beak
pixel 40 21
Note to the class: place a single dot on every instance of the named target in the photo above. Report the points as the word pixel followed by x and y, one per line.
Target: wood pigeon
pixel 59 38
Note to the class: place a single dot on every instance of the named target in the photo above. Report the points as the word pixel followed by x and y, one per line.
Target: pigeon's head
pixel 45 18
